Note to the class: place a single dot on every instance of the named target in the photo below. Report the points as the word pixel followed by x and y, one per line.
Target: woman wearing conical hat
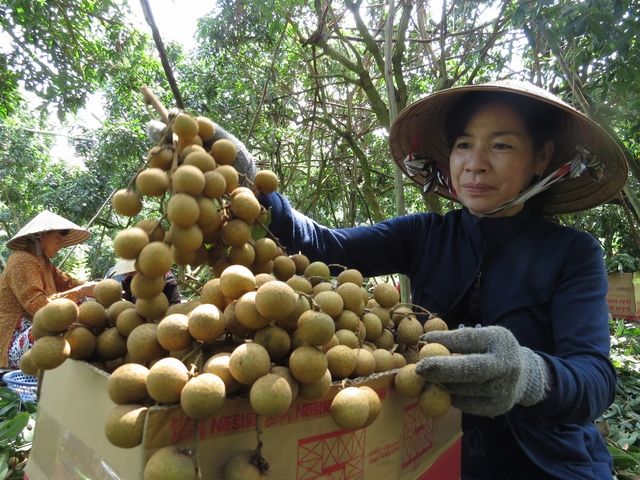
pixel 524 297
pixel 29 280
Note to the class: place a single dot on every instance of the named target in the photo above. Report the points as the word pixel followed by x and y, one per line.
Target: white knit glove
pixel 245 162
pixel 492 374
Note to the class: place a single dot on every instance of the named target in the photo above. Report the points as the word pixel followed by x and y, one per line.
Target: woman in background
pixel 30 280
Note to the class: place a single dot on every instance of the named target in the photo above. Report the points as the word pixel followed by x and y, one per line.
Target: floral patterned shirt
pixel 25 285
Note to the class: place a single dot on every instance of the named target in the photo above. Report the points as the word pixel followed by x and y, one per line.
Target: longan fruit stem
pixel 411 305
pixel 151 99
pixel 257 459
pixel 271 235
pixel 312 302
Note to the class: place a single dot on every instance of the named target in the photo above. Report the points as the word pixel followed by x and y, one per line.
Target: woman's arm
pixel 384 248
pixel 584 379
pixel 25 276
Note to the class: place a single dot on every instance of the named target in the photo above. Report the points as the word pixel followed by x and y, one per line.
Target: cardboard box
pixel 302 444
pixel 624 295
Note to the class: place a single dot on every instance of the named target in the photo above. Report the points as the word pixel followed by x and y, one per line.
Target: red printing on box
pixel 447 465
pixel 322 455
pixel 418 435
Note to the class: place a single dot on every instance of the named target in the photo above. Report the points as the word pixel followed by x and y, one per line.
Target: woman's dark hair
pixel 541 120
pixel 64 233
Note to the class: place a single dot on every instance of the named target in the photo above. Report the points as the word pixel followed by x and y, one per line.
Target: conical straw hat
pixel 44 222
pixel 123 266
pixel 419 130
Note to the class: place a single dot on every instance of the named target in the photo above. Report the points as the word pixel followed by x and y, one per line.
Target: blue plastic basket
pixel 24 385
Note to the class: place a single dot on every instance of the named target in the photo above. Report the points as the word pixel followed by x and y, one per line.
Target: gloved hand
pixel 245 162
pixel 493 374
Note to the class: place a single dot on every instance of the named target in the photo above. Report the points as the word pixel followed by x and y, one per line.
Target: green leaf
pixel 11 428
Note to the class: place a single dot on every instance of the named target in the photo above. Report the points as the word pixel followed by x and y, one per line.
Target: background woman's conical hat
pixel 123 266
pixel 44 222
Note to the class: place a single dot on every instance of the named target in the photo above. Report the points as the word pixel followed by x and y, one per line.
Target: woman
pixel 30 280
pixel 124 270
pixel 535 372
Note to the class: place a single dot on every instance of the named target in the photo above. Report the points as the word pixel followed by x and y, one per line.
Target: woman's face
pixel 51 243
pixel 493 160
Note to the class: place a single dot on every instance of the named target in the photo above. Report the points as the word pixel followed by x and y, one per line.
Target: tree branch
pixel 148 16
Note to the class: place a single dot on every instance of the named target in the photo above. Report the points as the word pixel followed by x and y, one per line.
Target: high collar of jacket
pixel 495 230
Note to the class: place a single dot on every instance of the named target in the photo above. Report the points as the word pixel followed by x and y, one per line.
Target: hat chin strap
pixel 583 160
pixel 434 175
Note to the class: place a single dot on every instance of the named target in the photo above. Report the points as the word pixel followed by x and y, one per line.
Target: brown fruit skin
pixel 270 395
pixel 153 308
pixel 110 344
pixel 275 340
pixel 317 272
pixel 230 175
pixel 128 384
pixel 435 323
pixel 142 343
pixel 183 210
pixel 236 280
pixel 275 300
pixel 307 364
pixel 246 207
pixel 124 425
pixel 434 401
pixel 350 408
pixel 92 314
pixel 386 295
pixel 167 377
pixel 200 159
pixel 26 364
pixel 236 232
pixel 433 350
pixel 185 126
pixel 152 228
pixel 188 179
pixel 160 157
pixel 152 182
pixel 173 332
pixel 126 202
pixel 203 395
pixel 283 268
pixel 248 362
pixel 301 261
pixel 128 320
pixel 266 181
pixel 57 315
pixel 206 322
pixel 375 405
pixel 407 382
pixel 108 292
pixel 211 293
pixel 49 352
pixel 341 360
pixel 128 242
pixel 239 467
pixel 224 152
pixel 169 463
pixel 214 184
pixel 154 259
pixel 206 128
pixel 315 328
pixel 115 309
pixel 317 389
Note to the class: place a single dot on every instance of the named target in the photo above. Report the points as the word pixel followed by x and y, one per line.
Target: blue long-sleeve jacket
pixel 547 284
